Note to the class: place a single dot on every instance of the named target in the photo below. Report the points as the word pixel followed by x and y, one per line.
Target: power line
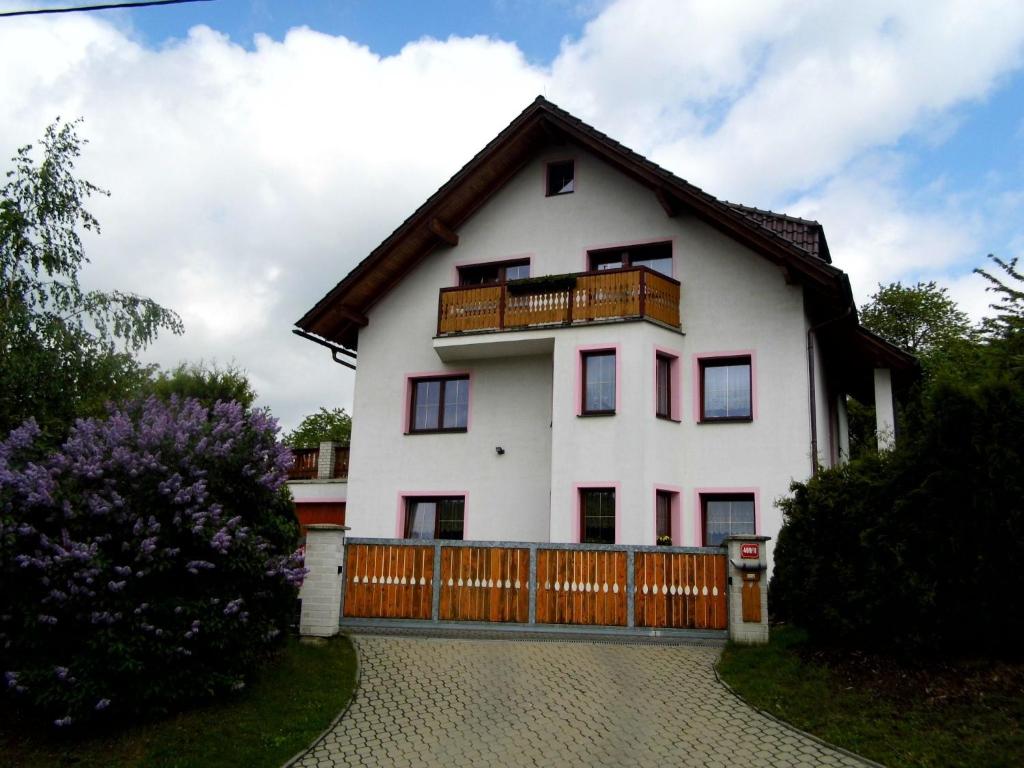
pixel 104 7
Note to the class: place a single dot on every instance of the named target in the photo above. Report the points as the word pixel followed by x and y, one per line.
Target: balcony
pixel 307 464
pixel 634 293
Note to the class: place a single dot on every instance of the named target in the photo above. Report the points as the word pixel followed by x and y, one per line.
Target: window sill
pixel 668 418
pixel 738 420
pixel 461 430
pixel 591 414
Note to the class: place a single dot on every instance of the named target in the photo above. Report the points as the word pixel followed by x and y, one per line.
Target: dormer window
pixel 561 178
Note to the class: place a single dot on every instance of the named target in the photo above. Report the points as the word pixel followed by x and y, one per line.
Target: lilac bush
pixel 149 562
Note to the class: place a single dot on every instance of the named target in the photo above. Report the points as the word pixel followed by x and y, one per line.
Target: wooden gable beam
pixel 444 232
pixel 350 314
pixel 789 275
pixel 668 201
pixel 551 133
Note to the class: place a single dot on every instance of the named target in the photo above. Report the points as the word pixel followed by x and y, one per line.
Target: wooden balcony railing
pixel 307 461
pixel 340 461
pixel 634 292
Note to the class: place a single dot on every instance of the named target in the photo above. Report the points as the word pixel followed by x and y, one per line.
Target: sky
pixel 255 151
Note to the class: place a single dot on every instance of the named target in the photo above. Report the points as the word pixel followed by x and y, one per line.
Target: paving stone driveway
pixel 427 701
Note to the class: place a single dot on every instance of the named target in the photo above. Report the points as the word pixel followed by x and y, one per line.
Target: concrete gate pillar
pixel 748 588
pixel 321 590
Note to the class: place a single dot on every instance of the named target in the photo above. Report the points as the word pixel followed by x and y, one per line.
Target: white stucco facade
pixel 524 384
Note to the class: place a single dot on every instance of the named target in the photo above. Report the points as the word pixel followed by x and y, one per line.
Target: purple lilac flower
pixel 233 607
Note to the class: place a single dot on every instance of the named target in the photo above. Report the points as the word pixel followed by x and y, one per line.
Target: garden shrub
pixel 919 549
pixel 149 562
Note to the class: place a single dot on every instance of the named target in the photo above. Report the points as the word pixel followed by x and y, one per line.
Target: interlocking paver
pixel 446 702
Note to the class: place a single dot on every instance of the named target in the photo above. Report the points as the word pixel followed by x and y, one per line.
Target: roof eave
pixel 328 318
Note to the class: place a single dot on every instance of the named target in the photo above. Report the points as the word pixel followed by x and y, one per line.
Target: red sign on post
pixel 750 551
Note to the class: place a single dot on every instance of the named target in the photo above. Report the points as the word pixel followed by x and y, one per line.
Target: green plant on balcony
pixel 542 284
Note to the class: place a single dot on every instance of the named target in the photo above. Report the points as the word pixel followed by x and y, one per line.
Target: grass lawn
pixel 964 713
pixel 280 713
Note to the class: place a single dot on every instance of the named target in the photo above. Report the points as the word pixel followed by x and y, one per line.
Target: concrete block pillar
pixel 885 410
pixel 748 588
pixel 321 590
pixel 325 462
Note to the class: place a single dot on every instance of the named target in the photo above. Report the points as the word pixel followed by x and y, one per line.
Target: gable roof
pixel 797 245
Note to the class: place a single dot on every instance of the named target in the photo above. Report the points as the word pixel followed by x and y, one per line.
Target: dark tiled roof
pixel 785 240
pixel 803 233
pixel 807 235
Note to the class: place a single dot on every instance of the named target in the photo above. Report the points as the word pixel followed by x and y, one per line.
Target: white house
pixel 568 343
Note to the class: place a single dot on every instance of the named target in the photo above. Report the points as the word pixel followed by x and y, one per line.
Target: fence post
pixel 323 588
pixel 643 293
pixel 435 593
pixel 630 588
pixel 747 565
pixel 532 584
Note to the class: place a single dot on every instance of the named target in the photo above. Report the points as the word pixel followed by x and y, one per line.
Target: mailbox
pixel 750 599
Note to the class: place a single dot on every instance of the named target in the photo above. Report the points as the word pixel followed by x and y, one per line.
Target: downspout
pixel 810 379
pixel 336 349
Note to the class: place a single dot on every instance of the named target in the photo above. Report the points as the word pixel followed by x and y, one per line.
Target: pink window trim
pixel 410 377
pixel 697 357
pixel 676 393
pixel 403 508
pixel 676 513
pixel 575 176
pixel 698 508
pixel 579 373
pixel 576 488
pixel 500 260
pixel 625 244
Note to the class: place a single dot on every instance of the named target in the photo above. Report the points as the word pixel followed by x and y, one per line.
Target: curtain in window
pixel 428 399
pixel 456 403
pixel 727 391
pixel 727 516
pixel 421 519
pixel 600 376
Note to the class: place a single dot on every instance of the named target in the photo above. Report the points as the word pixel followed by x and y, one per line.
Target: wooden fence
pixel 520 583
pixel 632 292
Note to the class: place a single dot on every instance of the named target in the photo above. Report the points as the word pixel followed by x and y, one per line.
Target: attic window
pixel 561 178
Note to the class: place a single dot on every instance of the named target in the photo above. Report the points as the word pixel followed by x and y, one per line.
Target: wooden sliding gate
pixel 519 583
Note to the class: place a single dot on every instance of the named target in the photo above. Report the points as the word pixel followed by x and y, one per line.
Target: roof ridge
pixel 733 219
pixel 737 208
pixel 766 212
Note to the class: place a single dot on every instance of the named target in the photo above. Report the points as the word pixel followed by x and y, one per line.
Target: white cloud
pixel 841 79
pixel 877 236
pixel 968 291
pixel 246 183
